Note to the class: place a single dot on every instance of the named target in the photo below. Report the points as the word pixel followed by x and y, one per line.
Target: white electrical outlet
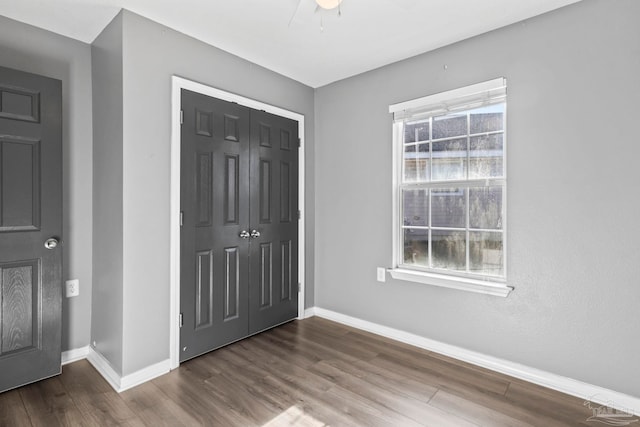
pixel 73 288
pixel 382 274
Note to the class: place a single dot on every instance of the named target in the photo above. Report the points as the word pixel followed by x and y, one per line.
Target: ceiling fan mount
pixel 328 4
pixel 307 9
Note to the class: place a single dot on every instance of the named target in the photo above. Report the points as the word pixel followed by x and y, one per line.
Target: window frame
pixel 429 107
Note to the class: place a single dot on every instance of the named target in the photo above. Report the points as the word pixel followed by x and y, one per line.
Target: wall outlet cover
pixel 72 288
pixel 382 274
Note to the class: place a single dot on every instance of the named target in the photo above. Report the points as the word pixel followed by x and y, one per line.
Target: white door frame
pixel 177 84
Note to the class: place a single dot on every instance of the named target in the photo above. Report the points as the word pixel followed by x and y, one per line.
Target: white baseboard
pixel 74 355
pixel 122 383
pixel 144 375
pixel 589 392
pixel 309 312
pixel 104 368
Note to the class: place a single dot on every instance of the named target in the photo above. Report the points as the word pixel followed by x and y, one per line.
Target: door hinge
pixel 299 287
pixel 299 214
pixel 180 320
pixel 181 218
pixel 299 143
pixel 181 116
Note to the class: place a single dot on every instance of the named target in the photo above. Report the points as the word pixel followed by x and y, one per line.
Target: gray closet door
pixel 273 293
pixel 215 205
pixel 239 241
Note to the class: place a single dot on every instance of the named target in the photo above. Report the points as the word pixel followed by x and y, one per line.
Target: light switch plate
pixel 72 288
pixel 382 274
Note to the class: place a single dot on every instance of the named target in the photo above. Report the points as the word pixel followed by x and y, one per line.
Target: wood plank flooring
pixel 305 373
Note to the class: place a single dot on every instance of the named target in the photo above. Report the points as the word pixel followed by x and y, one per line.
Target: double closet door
pixel 239 233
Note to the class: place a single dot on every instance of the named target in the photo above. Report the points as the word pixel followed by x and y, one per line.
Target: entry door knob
pixel 255 234
pixel 51 243
pixel 245 234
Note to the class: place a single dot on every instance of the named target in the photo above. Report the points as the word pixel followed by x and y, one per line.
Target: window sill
pixel 461 283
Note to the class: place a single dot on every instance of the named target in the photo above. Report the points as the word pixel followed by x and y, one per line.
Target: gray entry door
pixel 30 217
pixel 239 235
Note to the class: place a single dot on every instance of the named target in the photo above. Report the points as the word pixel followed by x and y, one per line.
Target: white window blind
pixel 473 96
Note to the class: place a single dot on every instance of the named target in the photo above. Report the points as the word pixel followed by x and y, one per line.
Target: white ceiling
pixel 367 35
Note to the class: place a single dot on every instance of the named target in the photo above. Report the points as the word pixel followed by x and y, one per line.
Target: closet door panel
pixel 214 268
pixel 274 215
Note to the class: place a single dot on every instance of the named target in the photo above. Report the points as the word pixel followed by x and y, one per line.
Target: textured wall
pixel 107 307
pixel 33 50
pixel 572 208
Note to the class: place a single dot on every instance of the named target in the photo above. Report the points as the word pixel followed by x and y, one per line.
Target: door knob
pixel 255 234
pixel 51 243
pixel 245 234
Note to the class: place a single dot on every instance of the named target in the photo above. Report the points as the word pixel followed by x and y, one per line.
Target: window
pixel 450 190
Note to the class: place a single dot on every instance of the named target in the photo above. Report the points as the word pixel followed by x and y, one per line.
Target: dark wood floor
pixel 306 373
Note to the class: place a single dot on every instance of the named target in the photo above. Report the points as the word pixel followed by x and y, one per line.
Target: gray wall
pixel 153 53
pixel 573 209
pixel 33 50
pixel 108 251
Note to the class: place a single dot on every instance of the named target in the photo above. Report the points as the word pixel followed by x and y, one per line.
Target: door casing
pixel 177 84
